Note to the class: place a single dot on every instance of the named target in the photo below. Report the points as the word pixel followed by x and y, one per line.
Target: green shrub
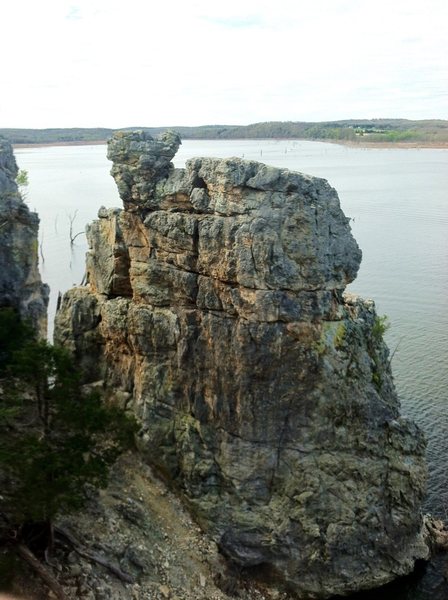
pixel 380 326
pixel 54 438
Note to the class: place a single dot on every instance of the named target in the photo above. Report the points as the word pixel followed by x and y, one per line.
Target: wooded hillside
pixel 361 130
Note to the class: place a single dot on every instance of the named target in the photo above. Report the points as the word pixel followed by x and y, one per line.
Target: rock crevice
pixel 216 312
pixel 20 284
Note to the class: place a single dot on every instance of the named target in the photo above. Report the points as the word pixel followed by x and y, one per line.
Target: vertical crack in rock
pixel 216 307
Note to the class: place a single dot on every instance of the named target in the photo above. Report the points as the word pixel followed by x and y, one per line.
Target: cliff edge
pixel 20 284
pixel 215 311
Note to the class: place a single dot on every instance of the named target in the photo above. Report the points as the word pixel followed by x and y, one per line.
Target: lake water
pixel 398 202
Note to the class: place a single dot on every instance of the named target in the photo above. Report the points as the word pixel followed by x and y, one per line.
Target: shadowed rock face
pixel 20 283
pixel 215 311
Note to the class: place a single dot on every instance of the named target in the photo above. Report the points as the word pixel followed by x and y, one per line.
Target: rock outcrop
pixel 215 312
pixel 20 283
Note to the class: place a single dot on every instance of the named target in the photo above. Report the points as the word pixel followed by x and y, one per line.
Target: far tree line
pixel 375 130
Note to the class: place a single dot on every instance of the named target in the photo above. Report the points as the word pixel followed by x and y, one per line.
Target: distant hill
pixel 361 130
pixel 49 136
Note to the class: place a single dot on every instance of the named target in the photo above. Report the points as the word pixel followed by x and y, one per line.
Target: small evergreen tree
pixel 54 438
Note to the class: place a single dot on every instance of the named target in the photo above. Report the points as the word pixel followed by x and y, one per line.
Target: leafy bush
pixel 380 326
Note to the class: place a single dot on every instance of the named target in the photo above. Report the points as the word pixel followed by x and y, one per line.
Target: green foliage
pixel 339 337
pixel 380 326
pixel 54 438
pixel 22 178
pixel 325 132
pixel 377 381
pixel 13 335
pixel 22 182
pixel 407 135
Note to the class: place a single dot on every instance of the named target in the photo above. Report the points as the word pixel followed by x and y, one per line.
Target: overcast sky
pixel 117 63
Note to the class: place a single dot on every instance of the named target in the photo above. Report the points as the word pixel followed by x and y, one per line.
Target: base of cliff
pixel 142 531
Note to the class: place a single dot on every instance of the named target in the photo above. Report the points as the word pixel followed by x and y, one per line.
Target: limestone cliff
pixel 215 311
pixel 20 283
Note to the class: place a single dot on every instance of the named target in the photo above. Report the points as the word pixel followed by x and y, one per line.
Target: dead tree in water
pixel 73 236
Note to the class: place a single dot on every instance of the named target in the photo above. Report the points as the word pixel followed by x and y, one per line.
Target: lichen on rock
pixel 20 284
pixel 220 320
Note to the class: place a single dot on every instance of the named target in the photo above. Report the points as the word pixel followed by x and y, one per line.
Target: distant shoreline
pixel 361 133
pixel 349 143
pixel 51 144
pixel 386 145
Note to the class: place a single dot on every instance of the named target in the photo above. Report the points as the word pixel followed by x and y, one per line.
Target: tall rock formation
pixel 215 311
pixel 20 283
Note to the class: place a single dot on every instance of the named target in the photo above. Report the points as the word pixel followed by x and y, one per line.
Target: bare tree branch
pixel 73 236
pixel 26 554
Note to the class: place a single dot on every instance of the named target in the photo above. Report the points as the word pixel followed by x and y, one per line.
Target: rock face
pixel 139 163
pixel 215 311
pixel 20 283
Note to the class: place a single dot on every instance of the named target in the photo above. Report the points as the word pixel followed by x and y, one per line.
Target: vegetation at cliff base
pixel 54 437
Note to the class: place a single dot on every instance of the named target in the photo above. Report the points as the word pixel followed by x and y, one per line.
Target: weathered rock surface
pixel 139 526
pixel 139 162
pixel 20 283
pixel 215 311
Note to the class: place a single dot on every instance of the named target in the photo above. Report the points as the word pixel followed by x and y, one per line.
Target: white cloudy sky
pixel 116 63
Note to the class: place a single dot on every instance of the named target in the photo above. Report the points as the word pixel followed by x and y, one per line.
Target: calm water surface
pixel 398 202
